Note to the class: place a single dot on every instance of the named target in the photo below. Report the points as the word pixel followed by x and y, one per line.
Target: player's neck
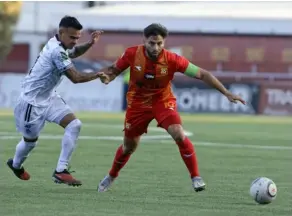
pixel 58 39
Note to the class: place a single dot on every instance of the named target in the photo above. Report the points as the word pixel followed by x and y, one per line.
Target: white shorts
pixel 30 120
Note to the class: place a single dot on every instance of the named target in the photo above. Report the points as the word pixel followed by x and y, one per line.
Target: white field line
pixel 152 139
pixel 233 145
pixel 11 135
pixel 118 127
pixel 149 138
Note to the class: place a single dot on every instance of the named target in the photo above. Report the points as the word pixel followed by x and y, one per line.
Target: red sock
pixel 188 155
pixel 119 162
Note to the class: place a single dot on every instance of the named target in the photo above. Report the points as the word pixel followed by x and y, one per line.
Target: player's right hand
pixel 104 78
pixel 235 98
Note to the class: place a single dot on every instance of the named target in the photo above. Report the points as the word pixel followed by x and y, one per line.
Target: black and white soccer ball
pixel 263 190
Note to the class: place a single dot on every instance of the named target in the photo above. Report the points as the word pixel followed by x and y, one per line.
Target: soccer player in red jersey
pixel 150 97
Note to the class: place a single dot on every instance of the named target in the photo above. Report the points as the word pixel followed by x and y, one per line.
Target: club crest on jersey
pixel 163 71
pixel 149 76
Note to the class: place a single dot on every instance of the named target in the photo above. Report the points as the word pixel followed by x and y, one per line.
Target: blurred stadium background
pixel 248 45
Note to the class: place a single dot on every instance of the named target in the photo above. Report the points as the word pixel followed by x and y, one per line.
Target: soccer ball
pixel 263 190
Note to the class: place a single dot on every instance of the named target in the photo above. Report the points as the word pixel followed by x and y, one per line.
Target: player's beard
pixel 152 56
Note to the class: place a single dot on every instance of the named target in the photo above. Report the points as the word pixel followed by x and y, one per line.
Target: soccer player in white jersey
pixel 39 101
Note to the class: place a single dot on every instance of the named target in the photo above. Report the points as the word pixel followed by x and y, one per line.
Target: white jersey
pixel 38 87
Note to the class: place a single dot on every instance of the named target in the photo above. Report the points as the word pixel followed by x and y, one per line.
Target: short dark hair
pixel 155 29
pixel 70 22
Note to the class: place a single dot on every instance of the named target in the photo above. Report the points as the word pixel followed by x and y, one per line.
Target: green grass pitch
pixel 232 151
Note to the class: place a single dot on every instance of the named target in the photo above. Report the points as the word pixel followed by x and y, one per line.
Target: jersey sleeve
pixel 61 60
pixel 123 62
pixel 184 66
pixel 181 63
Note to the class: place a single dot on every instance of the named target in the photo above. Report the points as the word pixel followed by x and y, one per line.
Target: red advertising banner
pixel 17 61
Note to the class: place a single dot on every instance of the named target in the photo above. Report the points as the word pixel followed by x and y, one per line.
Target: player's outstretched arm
pixel 211 80
pixel 81 49
pixel 78 77
pixel 65 66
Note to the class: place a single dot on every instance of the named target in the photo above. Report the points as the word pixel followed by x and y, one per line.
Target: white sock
pixel 69 142
pixel 22 151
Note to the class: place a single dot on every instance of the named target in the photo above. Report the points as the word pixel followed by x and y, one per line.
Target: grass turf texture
pixel 232 151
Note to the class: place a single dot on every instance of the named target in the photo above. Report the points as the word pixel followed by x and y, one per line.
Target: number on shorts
pixel 169 104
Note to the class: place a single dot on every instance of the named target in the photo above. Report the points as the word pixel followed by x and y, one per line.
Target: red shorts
pixel 137 120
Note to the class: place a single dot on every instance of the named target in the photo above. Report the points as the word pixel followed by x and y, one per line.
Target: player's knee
pixel 78 124
pixel 177 132
pixel 129 148
pixel 130 145
pixel 74 126
pixel 179 137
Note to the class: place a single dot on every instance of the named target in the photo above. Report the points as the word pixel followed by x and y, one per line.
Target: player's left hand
pixel 235 98
pixel 95 36
pixel 104 78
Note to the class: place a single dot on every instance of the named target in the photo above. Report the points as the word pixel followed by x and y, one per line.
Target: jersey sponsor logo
pixel 149 76
pixel 64 56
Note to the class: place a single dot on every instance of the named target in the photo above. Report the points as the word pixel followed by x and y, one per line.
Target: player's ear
pixel 164 41
pixel 61 30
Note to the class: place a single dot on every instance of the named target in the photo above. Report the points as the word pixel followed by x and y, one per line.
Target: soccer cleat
pixel 105 183
pixel 198 184
pixel 19 173
pixel 65 177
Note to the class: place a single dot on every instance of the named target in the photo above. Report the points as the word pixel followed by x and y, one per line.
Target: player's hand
pixel 234 98
pixel 104 78
pixel 95 36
